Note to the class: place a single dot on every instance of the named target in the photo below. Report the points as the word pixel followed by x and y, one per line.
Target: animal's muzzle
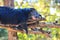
pixel 38 18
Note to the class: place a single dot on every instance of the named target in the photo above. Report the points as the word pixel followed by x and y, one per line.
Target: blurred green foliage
pixel 55 34
pixel 3 34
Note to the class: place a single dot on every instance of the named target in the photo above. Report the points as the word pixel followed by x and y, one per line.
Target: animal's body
pixel 17 16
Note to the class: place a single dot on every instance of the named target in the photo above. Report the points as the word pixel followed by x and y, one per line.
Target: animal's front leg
pixel 21 27
pixel 25 27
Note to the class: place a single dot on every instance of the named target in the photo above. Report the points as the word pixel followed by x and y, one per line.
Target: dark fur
pixel 15 16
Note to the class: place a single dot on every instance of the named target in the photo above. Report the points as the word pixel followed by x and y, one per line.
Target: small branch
pixel 50 25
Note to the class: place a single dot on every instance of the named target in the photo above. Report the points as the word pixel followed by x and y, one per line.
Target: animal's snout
pixel 38 17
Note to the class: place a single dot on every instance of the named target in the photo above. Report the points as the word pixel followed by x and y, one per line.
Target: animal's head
pixel 34 15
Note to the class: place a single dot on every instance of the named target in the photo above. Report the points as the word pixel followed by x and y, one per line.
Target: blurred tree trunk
pixel 9 3
pixel 11 35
